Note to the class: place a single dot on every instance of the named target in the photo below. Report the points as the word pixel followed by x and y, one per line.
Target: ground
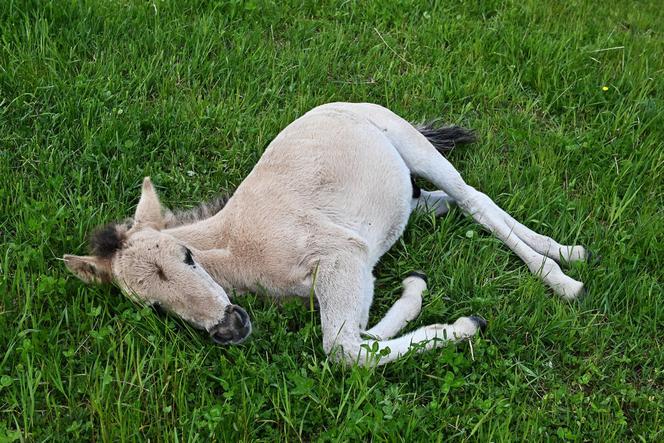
pixel 566 98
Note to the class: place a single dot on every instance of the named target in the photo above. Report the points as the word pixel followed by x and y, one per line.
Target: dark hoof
pixel 420 275
pixel 479 322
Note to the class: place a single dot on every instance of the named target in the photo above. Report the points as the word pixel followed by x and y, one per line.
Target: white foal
pixel 330 195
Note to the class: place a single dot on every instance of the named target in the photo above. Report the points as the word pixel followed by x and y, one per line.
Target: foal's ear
pixel 89 268
pixel 149 211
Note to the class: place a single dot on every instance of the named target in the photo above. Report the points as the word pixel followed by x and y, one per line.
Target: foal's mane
pixel 181 217
pixel 109 238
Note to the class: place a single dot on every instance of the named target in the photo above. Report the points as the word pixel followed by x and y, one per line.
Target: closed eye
pixel 188 258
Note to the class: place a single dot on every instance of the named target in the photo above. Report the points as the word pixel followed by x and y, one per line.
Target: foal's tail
pixel 446 138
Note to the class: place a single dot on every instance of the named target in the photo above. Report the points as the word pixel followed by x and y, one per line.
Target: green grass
pixel 94 95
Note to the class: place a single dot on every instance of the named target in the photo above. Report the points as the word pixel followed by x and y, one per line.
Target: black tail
pixel 446 138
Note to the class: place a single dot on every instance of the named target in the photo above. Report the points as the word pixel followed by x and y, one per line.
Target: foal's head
pixel 155 268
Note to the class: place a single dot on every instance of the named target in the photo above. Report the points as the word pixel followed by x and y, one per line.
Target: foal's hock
pixel 330 195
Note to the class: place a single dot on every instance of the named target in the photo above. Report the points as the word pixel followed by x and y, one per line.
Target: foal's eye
pixel 188 259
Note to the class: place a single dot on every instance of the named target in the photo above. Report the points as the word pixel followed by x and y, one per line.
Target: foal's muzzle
pixel 234 328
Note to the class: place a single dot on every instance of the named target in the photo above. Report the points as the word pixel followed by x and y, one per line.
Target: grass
pixel 96 94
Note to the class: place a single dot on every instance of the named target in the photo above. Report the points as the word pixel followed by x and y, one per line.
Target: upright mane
pixel 204 210
pixel 106 240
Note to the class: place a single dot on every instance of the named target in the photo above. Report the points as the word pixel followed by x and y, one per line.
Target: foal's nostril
pixel 234 328
pixel 241 316
pixel 222 337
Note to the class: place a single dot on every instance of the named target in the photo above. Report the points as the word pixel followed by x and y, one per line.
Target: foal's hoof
pixel 480 322
pixel 418 274
pixel 570 291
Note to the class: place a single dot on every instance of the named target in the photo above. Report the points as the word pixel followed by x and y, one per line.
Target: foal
pixel 330 195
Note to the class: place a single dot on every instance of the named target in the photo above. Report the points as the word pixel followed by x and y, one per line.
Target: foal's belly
pixel 368 184
pixel 339 168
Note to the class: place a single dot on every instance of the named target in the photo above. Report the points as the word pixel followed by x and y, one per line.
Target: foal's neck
pixel 203 234
pixel 208 239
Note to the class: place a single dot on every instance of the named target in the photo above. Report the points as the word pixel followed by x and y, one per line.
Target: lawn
pixel 566 98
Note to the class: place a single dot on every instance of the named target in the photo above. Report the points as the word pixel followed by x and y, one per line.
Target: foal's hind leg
pixel 440 203
pixel 424 160
pixel 492 217
pixel 402 311
pixel 436 201
pixel 546 245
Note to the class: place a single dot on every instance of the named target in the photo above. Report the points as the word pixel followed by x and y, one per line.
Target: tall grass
pixel 567 99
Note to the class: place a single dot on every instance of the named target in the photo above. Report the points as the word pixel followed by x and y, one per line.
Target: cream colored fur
pixel 330 195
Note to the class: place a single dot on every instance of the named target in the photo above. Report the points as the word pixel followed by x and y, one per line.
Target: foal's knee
pixel 474 200
pixel 340 353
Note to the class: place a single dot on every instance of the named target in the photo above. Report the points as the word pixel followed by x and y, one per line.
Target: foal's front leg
pixel 404 310
pixel 340 283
